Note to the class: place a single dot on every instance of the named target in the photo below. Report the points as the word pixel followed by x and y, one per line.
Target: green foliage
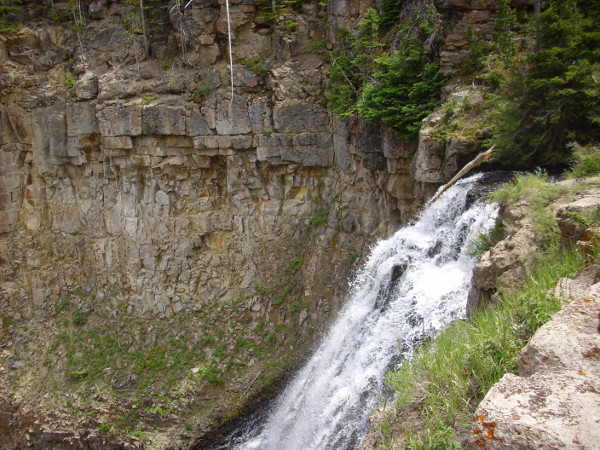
pixel 319 47
pixel 256 65
pixel 476 54
pixel 8 12
pixel 320 218
pixel 353 63
pixel 504 28
pixel 272 10
pixel 407 90
pixel 295 266
pixel 262 290
pixel 147 99
pixel 279 298
pixel 390 12
pixel 538 193
pixel 70 81
pixel 586 162
pixel 485 241
pixel 202 90
pixel 79 319
pixel 407 84
pixel 61 305
pixel 552 96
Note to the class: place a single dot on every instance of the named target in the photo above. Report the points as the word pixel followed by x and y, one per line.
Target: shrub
pixel 8 11
pixel 256 65
pixel 586 162
pixel 79 319
pixel 406 85
pixel 407 89
pixel 203 88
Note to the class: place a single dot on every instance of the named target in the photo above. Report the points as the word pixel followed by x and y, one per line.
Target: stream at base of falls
pixel 411 285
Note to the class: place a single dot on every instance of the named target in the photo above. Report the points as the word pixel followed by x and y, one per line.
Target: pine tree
pixel 554 97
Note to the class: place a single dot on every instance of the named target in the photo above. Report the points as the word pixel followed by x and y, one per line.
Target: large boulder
pixel 554 403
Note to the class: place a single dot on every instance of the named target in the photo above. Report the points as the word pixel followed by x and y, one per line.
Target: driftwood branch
pixel 252 383
pixel 479 159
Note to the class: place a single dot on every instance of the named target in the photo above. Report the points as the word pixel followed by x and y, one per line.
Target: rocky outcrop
pixel 553 403
pixel 507 262
pixel 468 17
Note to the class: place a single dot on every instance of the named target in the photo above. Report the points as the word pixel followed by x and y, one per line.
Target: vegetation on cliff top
pixel 549 90
pixel 398 87
pixel 540 75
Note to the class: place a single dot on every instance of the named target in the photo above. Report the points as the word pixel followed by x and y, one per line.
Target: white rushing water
pixel 411 285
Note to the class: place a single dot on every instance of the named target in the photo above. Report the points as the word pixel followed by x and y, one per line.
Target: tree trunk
pixel 538 33
pixel 479 159
pixel 145 43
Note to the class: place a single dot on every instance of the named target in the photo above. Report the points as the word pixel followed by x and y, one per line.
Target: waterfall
pixel 411 285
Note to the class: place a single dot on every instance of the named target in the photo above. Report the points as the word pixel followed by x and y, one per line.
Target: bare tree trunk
pixel 145 43
pixel 479 159
pixel 538 33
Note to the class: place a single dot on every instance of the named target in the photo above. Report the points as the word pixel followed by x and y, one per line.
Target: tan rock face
pixel 554 402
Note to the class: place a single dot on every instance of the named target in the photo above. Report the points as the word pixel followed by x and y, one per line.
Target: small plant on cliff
pixel 202 90
pixel 70 81
pixel 79 318
pixel 271 10
pixel 256 65
pixel 485 241
pixel 293 267
pixel 320 218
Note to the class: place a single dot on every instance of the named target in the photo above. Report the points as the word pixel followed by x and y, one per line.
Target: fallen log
pixel 479 159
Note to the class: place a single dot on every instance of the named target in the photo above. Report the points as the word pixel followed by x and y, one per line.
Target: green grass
pixel 485 241
pixel 201 91
pixel 320 218
pixel 536 193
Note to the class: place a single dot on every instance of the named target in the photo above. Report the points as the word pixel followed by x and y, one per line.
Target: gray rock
pixel 374 161
pixel 86 88
pixel 120 119
pixel 571 218
pixel 292 116
pixel 98 9
pixel 232 119
pixel 569 341
pixel 81 119
pixel 196 125
pixel 544 411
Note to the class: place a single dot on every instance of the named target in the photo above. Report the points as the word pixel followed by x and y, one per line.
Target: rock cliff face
pixel 135 192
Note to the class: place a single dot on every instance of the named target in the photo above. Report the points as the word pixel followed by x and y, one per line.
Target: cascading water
pixel 411 285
